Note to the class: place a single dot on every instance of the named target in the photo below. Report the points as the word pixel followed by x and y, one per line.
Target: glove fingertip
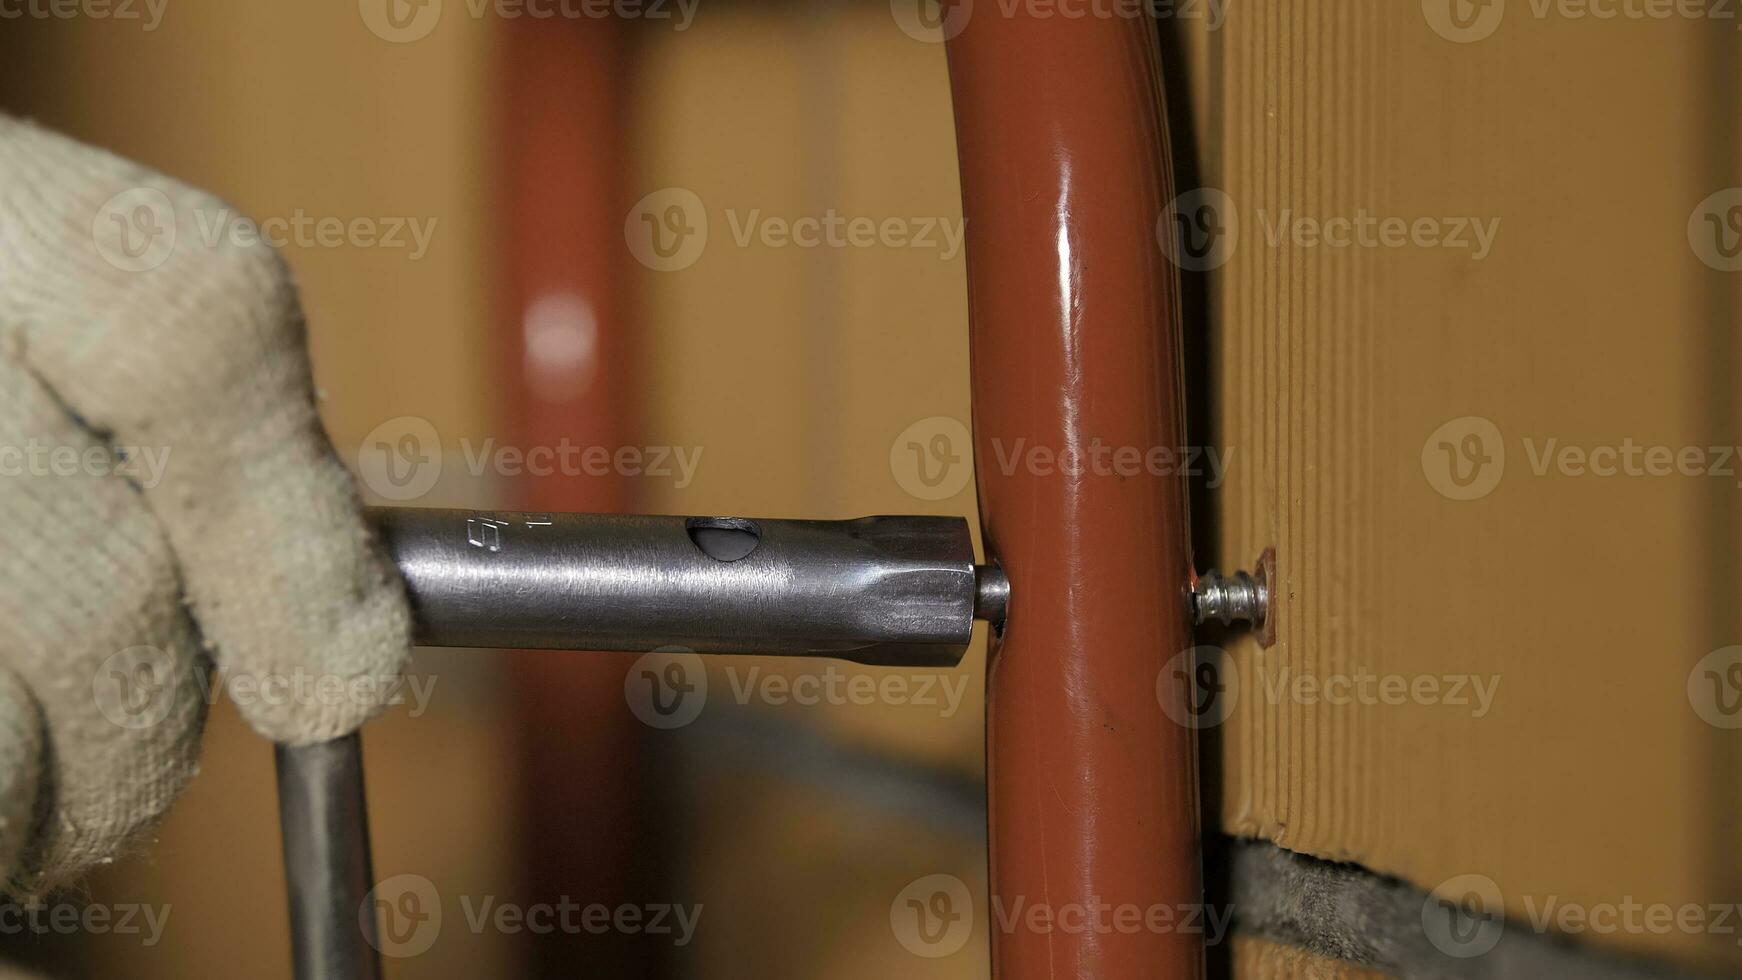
pixel 358 640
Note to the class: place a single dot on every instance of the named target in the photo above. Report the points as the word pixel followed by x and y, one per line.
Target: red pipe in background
pixel 567 366
pixel 1076 342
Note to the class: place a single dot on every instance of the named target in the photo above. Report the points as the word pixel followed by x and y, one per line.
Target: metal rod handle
pixel 326 860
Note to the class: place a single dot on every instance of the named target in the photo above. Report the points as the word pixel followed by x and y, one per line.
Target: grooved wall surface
pixel 1421 417
pixel 1259 959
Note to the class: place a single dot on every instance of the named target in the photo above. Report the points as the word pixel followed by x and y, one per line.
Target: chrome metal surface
pixel 877 590
pixel 1239 597
pixel 326 860
pixel 992 594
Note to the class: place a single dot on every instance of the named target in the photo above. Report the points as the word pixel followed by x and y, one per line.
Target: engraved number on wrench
pixel 486 532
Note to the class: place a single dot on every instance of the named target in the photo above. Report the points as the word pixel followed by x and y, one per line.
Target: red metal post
pixel 1075 327
pixel 568 370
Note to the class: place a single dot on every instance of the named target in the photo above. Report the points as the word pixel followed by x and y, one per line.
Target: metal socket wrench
pixel 886 591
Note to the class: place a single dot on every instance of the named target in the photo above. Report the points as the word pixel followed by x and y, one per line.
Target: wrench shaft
pixel 877 590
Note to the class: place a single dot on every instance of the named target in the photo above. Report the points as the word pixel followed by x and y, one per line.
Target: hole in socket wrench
pixel 724 538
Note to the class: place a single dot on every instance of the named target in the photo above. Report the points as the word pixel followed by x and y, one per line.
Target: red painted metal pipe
pixel 1076 339
pixel 568 369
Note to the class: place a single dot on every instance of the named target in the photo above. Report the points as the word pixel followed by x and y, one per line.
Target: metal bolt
pixel 1239 597
pixel 991 594
pixel 1229 598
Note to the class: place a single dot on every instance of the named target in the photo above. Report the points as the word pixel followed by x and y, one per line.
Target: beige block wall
pixel 1591 321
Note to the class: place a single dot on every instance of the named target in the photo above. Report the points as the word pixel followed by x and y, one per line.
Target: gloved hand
pixel 168 501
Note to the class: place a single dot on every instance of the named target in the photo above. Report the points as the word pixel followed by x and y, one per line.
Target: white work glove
pixel 230 534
